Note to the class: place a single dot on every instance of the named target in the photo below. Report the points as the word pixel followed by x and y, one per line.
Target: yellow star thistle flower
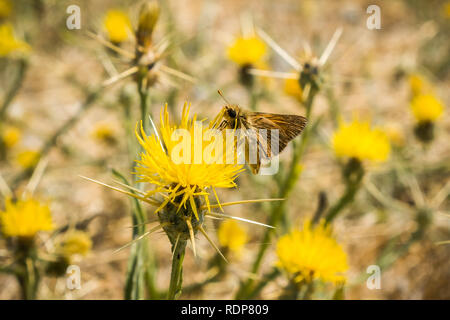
pixel 245 51
pixel 186 175
pixel 10 136
pixel 75 242
pixel 312 253
pixel 117 25
pixel 5 8
pixel 446 7
pixel 232 236
pixel 28 158
pixel 418 84
pixel 104 132
pixel 25 218
pixel 358 140
pixel 292 88
pixel 8 42
pixel 426 108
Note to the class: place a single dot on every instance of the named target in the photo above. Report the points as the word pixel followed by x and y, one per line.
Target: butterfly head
pixel 231 112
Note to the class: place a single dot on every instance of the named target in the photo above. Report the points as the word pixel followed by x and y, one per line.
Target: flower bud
pixel 148 17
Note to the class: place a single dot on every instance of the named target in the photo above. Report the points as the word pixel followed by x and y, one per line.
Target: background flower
pixel 358 140
pixel 312 253
pixel 232 236
pixel 117 25
pixel 25 218
pixel 9 44
pixel 245 51
pixel 426 107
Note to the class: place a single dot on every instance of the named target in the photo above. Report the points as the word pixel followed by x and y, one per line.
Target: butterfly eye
pixel 231 113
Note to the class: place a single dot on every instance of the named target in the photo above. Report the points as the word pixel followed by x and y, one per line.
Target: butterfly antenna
pixel 224 99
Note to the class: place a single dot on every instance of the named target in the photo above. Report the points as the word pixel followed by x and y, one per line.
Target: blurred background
pixel 371 74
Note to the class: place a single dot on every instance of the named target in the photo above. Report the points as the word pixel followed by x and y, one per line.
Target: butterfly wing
pixel 288 126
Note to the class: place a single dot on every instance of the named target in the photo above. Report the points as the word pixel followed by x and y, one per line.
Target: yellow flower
pixel 117 25
pixel 419 84
pixel 8 42
pixel 232 235
pixel 293 89
pixel 246 51
pixel 104 132
pixel 446 10
pixel 24 218
pixel 28 158
pixel 426 107
pixel 10 136
pixel 358 140
pixel 184 171
pixel 75 242
pixel 5 8
pixel 312 253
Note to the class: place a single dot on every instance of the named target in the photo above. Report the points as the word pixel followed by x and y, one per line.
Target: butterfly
pixel 257 131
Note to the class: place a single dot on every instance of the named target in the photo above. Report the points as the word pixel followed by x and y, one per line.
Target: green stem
pixel 263 282
pixel 27 272
pixel 278 208
pixel 176 276
pixel 352 187
pixel 143 98
pixel 17 84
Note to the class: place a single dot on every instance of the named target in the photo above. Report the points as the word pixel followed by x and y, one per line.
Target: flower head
pixel 25 218
pixel 117 25
pixel 75 242
pixel 312 253
pixel 104 132
pixel 247 51
pixel 232 235
pixel 28 158
pixel 10 136
pixel 9 44
pixel 418 84
pixel 426 108
pixel 446 7
pixel 358 140
pixel 292 88
pixel 182 169
pixel 5 8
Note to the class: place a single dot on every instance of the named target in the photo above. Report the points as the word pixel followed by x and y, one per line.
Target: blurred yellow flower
pixel 293 89
pixel 8 42
pixel 28 158
pixel 358 140
pixel 245 51
pixel 180 173
pixel 5 8
pixel 426 108
pixel 10 136
pixel 24 218
pixel 231 235
pixel 312 253
pixel 419 84
pixel 446 10
pixel 75 242
pixel 117 25
pixel 104 132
